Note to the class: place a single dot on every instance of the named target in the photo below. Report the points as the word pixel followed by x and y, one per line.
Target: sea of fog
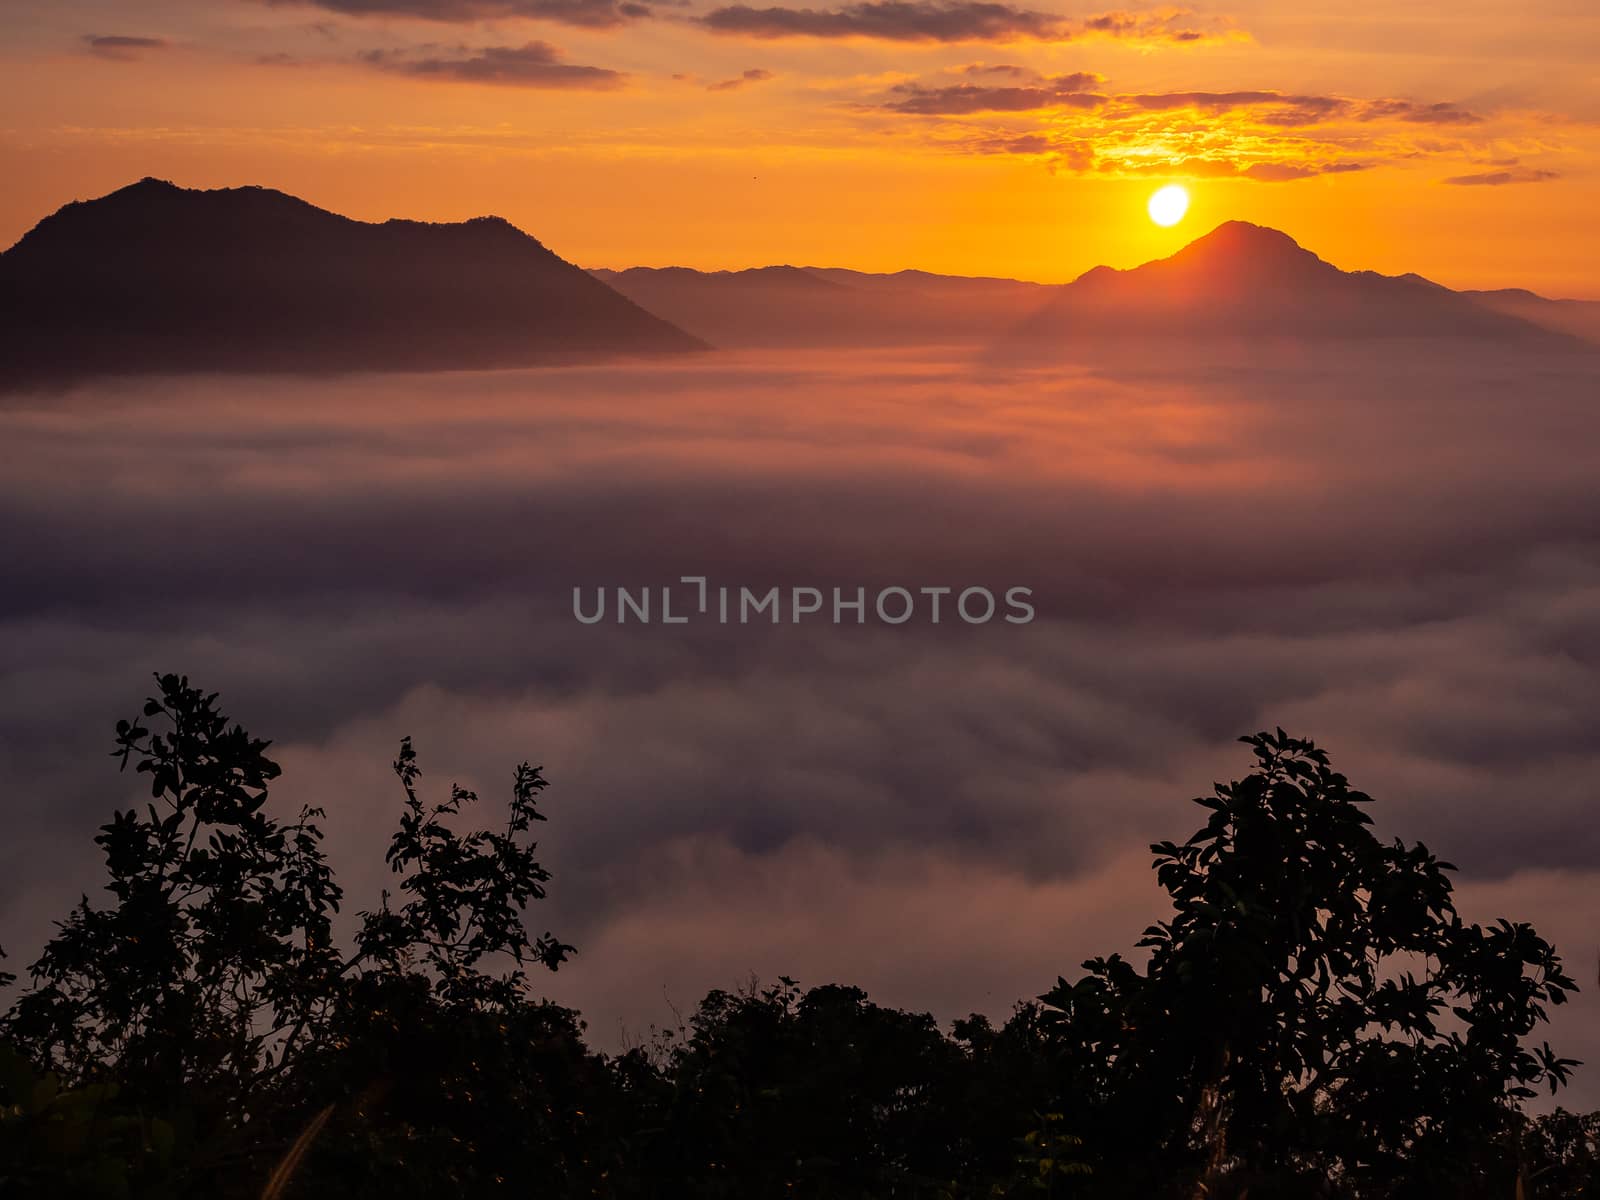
pixel 1398 556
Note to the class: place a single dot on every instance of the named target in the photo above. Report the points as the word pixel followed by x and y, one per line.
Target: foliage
pixel 213 980
pixel 776 1091
pixel 1049 1157
pixel 1315 1006
pixel 1561 1157
pixel 466 894
pixel 1314 1019
pixel 77 1142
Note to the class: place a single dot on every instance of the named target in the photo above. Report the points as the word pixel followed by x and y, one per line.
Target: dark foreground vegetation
pixel 1313 1020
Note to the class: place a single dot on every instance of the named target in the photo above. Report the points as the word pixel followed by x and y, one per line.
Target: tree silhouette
pixel 1315 1009
pixel 213 976
pixel 1315 1018
pixel 218 941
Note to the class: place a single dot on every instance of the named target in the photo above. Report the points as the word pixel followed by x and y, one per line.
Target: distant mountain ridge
pixel 1238 281
pixel 781 306
pixel 155 277
pixel 1580 318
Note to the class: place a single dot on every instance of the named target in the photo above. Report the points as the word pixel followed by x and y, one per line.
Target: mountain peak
pixel 1247 236
pixel 145 208
pixel 1243 279
pixel 1236 254
pixel 1240 252
pixel 157 277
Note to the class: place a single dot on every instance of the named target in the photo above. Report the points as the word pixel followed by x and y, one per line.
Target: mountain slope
pixel 159 278
pixel 1247 281
pixel 1581 318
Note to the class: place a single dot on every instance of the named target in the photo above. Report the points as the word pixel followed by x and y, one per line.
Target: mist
pixel 1398 556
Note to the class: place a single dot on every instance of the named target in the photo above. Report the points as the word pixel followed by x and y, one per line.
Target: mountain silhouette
pixel 798 278
pixel 160 278
pixel 829 306
pixel 1248 281
pixel 1581 318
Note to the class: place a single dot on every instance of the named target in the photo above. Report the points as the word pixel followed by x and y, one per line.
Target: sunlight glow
pixel 1168 204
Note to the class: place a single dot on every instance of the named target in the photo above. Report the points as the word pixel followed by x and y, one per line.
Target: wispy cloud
pixel 122 48
pixel 1179 26
pixel 1419 114
pixel 754 75
pixel 1501 178
pixel 1084 156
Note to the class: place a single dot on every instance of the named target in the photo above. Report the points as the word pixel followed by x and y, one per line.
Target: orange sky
pixel 1459 140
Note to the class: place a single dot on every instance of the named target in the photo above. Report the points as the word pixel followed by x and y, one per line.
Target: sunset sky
pixel 1460 140
pixel 1388 543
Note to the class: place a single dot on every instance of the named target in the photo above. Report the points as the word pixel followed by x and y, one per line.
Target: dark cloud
pixel 1162 26
pixel 1283 172
pixel 754 75
pixel 1442 113
pixel 1006 142
pixel 534 65
pixel 950 21
pixel 893 20
pixel 956 99
pixel 122 48
pixel 1501 178
pixel 586 14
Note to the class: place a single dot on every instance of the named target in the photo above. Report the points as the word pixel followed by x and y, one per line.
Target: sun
pixel 1168 204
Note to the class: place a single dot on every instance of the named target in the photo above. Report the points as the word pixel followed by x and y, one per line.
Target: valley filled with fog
pixel 1392 550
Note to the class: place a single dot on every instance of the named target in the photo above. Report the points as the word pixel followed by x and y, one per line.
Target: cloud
pixel 534 65
pixel 1103 155
pixel 1173 26
pixel 122 48
pixel 1259 170
pixel 754 75
pixel 1281 172
pixel 1258 134
pixel 955 99
pixel 1290 109
pixel 1501 178
pixel 893 20
pixel 1443 113
pixel 586 14
pixel 1280 108
pixel 1038 144
pixel 954 21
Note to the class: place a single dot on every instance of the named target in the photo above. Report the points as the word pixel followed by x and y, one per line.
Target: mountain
pixel 1247 281
pixel 1581 318
pixel 160 278
pixel 789 306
